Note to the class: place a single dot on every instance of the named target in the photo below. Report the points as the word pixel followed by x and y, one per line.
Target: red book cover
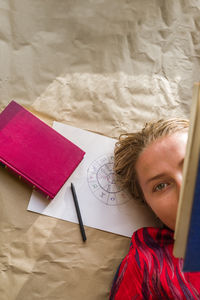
pixel 35 151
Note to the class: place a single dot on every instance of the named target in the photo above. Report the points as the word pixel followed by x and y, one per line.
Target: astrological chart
pixel 103 203
pixel 103 183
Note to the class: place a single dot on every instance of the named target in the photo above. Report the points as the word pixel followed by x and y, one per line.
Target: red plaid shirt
pixel 150 271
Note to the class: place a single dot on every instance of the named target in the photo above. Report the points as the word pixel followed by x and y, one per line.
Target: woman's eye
pixel 160 187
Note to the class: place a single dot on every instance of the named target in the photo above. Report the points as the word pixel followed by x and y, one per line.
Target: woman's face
pixel 159 169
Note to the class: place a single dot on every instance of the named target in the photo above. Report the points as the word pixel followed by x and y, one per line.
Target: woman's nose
pixel 179 178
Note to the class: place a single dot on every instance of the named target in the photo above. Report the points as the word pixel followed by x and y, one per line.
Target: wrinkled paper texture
pixel 104 66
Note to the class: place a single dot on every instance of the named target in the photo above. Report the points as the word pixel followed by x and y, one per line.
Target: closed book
pixel 187 231
pixel 35 151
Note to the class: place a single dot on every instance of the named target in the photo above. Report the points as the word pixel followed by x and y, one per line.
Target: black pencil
pixel 78 212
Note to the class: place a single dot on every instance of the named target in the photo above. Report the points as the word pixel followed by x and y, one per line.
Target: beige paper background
pixel 105 66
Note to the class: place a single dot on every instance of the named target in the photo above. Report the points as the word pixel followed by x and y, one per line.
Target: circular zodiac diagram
pixel 103 184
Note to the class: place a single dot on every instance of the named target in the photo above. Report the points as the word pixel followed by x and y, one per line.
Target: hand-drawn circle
pixel 106 178
pixel 103 183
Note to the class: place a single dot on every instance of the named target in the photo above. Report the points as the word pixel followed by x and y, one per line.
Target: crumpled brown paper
pixel 105 66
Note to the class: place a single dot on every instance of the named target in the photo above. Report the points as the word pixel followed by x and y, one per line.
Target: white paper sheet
pixel 102 203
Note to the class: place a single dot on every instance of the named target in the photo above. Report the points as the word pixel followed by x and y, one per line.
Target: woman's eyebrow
pixel 161 175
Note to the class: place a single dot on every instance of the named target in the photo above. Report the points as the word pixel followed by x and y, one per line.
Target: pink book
pixel 35 151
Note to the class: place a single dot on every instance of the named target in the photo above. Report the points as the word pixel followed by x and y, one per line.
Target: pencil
pixel 78 212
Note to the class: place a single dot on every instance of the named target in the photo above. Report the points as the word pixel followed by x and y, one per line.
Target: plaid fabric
pixel 150 271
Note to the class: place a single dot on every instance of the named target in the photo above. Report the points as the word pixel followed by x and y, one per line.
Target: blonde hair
pixel 130 145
